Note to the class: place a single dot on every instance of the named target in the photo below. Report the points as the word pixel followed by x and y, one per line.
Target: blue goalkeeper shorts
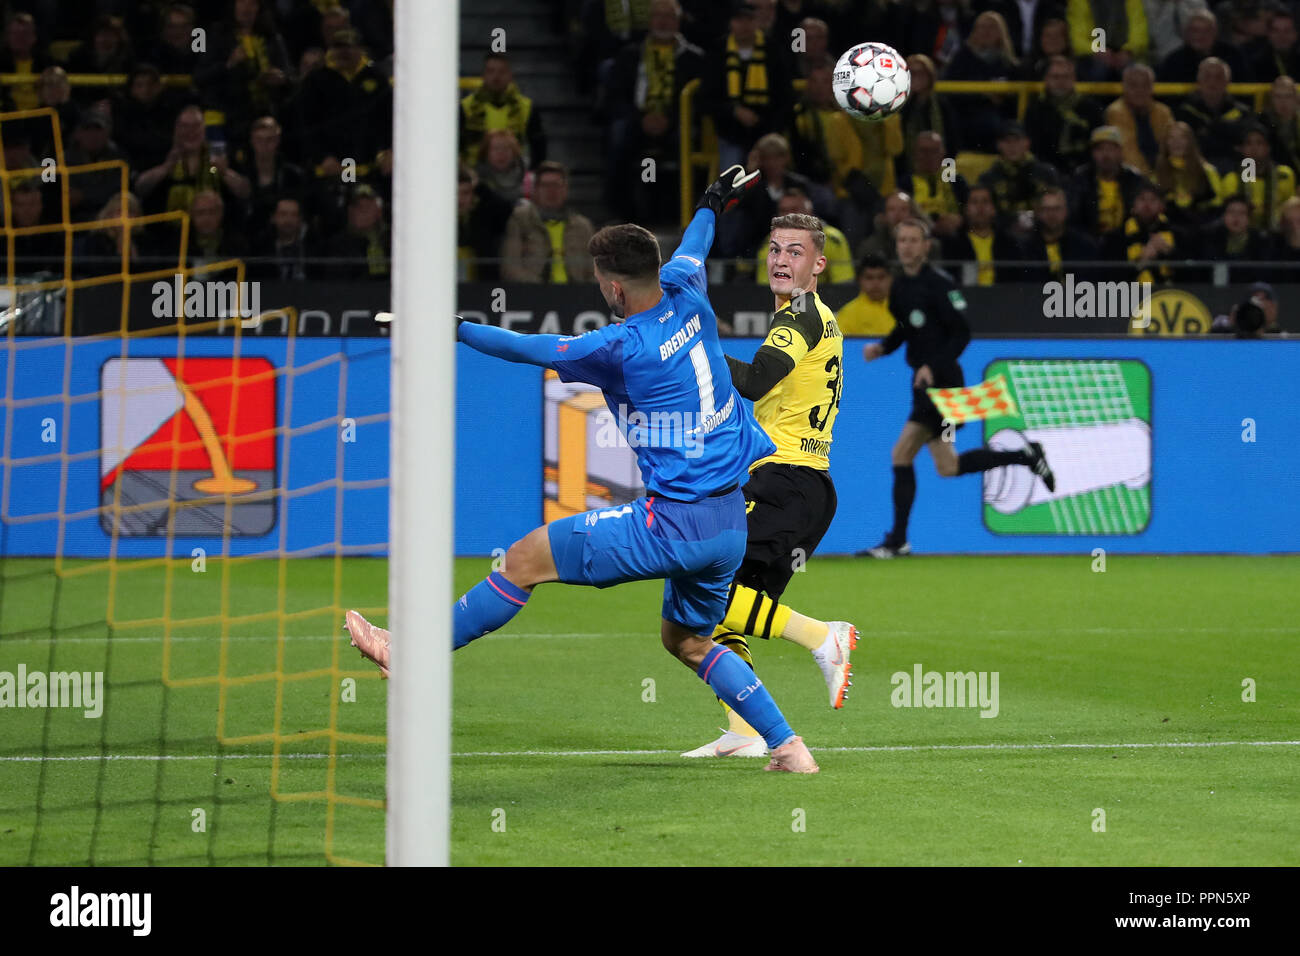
pixel 695 546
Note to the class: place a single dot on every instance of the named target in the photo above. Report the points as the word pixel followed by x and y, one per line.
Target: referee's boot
pixel 889 548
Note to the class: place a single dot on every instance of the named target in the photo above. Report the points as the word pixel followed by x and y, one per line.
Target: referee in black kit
pixel 929 312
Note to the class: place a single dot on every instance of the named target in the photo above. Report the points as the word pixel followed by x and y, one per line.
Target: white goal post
pixel 422 431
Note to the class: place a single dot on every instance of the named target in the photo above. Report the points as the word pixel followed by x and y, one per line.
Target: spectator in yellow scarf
pixel 499 104
pixel 1189 184
pixel 1265 183
pixel 20 55
pixel 748 90
pixel 642 100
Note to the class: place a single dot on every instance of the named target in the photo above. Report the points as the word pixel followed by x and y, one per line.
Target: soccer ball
pixel 871 81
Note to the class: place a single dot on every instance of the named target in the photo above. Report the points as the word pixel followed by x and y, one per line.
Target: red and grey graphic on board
pixel 187 446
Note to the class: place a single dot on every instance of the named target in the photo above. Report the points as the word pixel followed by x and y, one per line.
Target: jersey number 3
pixel 836 386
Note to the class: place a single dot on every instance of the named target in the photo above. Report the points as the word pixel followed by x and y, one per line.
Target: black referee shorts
pixel 923 410
pixel 790 508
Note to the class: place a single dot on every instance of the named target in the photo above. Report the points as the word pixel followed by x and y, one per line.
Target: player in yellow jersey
pixel 795 382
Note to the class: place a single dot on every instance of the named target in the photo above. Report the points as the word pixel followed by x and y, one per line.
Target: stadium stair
pixel 539 50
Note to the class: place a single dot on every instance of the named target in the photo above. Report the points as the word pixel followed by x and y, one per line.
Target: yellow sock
pixel 755 614
pixel 749 612
pixel 805 631
pixel 737 644
pixel 736 724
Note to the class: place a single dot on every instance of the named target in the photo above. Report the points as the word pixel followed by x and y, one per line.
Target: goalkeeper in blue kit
pixel 661 363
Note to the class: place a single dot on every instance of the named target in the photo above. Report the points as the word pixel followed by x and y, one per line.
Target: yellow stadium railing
pixel 90 79
pixel 693 157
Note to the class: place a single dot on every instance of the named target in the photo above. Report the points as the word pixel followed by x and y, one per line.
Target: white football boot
pixel 833 658
pixel 731 745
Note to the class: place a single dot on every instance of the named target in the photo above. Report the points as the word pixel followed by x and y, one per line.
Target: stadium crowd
pixel 1135 186
pixel 268 121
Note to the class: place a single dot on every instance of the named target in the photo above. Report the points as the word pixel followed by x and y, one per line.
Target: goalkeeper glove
pixel 729 189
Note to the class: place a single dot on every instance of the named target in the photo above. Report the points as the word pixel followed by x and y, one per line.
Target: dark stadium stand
pixel 635 140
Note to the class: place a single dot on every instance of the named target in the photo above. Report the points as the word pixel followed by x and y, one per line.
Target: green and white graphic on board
pixel 1093 419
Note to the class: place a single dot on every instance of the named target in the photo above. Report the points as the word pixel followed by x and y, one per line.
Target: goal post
pixel 423 432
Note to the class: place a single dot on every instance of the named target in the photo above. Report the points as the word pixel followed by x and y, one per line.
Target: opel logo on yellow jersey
pixel 781 338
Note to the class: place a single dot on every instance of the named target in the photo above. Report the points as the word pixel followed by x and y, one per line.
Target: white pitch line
pixel 904 748
pixel 263 638
pixel 898 748
pixel 534 636
pixel 158 639
pixel 158 758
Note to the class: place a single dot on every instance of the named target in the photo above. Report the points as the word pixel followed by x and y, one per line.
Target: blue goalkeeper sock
pixel 739 688
pixel 484 608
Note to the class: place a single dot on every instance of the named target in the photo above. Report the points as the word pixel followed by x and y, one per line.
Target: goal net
pixel 186 511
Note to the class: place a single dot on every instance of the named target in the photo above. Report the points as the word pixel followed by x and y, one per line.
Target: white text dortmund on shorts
pixel 1098 300
pixel 76 909
pixel 83 690
pixel 922 688
pixel 206 300
pixel 685 430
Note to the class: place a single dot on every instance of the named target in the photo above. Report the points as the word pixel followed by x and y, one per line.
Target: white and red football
pixel 871 81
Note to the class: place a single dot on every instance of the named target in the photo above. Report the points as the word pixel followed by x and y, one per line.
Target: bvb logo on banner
pixel 1172 312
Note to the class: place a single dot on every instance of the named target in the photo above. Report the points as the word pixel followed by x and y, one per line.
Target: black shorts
pixel 790 507
pixel 923 410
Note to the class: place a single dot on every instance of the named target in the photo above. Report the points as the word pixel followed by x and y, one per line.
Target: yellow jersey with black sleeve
pixel 795 382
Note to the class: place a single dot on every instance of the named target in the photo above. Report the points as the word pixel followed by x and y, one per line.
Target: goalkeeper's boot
pixel 371 641
pixel 731 744
pixel 1038 464
pixel 833 658
pixel 793 757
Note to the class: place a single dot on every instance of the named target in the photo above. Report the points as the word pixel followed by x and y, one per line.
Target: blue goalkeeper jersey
pixel 664 378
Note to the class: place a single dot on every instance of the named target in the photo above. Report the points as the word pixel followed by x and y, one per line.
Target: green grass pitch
pixel 568 723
